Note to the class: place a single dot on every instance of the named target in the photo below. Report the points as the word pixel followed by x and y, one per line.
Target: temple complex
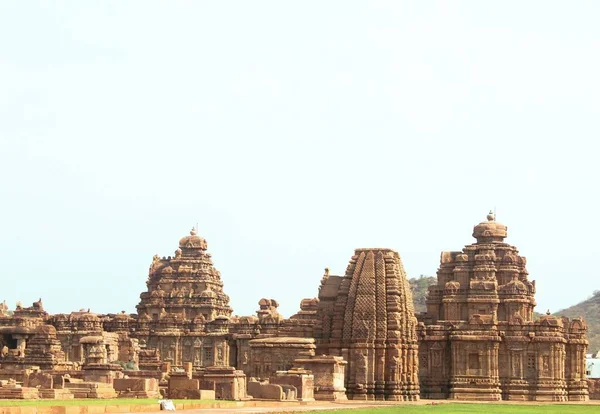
pixel 358 339
pixel 478 339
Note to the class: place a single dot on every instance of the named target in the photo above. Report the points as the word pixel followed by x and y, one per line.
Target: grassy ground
pixel 90 401
pixel 476 408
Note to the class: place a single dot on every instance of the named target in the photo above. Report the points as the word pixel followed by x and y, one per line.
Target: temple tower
pixel 479 340
pixel 487 278
pixel 184 287
pixel 367 317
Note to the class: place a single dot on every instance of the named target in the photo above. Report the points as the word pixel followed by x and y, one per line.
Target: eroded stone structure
pixel 367 317
pixel 479 339
pixel 185 313
pixel 359 337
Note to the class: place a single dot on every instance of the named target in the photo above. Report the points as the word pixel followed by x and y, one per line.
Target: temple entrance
pixel 8 341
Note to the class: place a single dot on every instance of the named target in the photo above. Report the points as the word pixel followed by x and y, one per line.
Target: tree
pixel 419 287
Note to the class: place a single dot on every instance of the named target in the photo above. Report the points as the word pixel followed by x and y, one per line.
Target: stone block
pixel 266 391
pixel 125 408
pixel 73 409
pixel 135 384
pixel 229 383
pixel 207 385
pixel 95 409
pixel 27 410
pixel 14 392
pixel 46 410
pixel 56 394
pixel 328 373
pixel 184 384
pixel 39 379
pixel 58 381
pixel 301 379
pixel 207 395
pixel 184 394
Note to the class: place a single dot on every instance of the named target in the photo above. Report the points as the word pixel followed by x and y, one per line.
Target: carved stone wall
pixel 269 355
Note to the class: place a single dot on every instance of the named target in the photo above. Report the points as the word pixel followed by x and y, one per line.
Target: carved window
pixel 208 355
pixel 531 361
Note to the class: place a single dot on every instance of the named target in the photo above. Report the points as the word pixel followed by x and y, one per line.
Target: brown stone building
pixel 367 318
pixel 185 313
pixel 479 339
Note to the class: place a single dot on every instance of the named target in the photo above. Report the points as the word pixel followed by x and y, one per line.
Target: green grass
pixel 91 401
pixel 475 408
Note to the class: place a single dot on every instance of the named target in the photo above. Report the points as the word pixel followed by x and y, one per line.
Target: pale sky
pixel 292 133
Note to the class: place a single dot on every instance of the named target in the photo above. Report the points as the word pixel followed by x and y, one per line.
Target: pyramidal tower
pixel 186 286
pixel 480 340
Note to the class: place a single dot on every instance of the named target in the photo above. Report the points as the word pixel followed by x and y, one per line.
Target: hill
pixel 418 286
pixel 589 309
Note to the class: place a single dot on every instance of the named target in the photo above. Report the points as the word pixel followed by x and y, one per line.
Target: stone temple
pixel 359 338
pixel 479 339
pixel 367 317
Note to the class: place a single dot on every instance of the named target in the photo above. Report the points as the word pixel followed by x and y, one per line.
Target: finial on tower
pixel 491 216
pixel 193 231
pixel 548 312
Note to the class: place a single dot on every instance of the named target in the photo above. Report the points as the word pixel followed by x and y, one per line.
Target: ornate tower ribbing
pixel 367 317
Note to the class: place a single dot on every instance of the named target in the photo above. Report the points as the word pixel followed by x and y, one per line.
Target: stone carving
pixel 372 304
pixel 493 346
pixel 268 313
pixel 478 339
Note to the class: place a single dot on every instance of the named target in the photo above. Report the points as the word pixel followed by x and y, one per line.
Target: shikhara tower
pixel 367 317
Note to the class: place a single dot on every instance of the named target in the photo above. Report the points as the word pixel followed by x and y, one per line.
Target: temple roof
pixel 490 231
pixel 193 241
pixel 186 284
